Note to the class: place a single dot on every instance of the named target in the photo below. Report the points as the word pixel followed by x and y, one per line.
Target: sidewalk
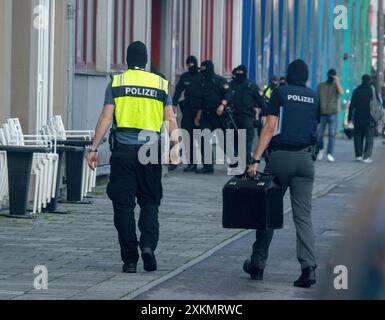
pixel 220 277
pixel 82 255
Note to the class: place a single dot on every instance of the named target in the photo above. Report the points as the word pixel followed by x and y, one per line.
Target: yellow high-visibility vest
pixel 267 92
pixel 139 100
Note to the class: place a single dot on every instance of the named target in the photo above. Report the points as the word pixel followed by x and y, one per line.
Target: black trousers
pixel 131 181
pixel 188 125
pixel 212 122
pixel 363 135
pixel 245 123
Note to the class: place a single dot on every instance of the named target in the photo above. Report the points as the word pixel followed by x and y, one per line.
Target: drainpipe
pixel 70 40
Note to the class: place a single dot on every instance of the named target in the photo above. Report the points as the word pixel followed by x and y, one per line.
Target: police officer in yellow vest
pixel 136 102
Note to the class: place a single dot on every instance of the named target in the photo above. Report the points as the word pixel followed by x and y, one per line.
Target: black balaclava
pixel 331 73
pixel 208 71
pixel 366 79
pixel 274 84
pixel 282 81
pixel 233 74
pixel 297 73
pixel 241 73
pixel 192 60
pixel 137 55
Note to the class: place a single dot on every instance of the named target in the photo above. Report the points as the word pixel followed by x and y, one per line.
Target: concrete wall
pixel 5 58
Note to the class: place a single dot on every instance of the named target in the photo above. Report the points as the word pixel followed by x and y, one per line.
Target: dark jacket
pixel 359 111
pixel 190 84
pixel 245 97
pixel 214 90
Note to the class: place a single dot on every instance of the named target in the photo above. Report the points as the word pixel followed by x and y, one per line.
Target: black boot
pixel 172 167
pixel 191 168
pixel 254 272
pixel 206 170
pixel 307 278
pixel 149 261
pixel 130 267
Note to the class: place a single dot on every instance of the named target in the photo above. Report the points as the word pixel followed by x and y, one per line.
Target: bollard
pixel 74 169
pixel 19 174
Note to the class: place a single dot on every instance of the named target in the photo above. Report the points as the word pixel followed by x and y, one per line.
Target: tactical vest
pixel 298 118
pixel 244 102
pixel 139 100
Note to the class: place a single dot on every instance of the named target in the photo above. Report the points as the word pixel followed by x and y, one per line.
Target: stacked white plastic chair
pixel 56 127
pixel 44 165
pixel 3 172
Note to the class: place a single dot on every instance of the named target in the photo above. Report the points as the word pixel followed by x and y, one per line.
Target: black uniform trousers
pixel 244 122
pixel 212 122
pixel 187 124
pixel 130 180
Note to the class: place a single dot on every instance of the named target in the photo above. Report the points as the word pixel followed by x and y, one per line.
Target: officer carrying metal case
pixel 253 203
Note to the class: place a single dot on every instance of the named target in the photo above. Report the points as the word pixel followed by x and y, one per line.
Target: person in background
pixel 190 85
pixel 268 90
pixel 214 89
pixel 282 81
pixel 359 116
pixel 329 93
pixel 246 103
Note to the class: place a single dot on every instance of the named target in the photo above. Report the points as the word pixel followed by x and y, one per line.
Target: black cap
pixel 366 79
pixel 137 55
pixel 332 72
pixel 192 59
pixel 298 73
pixel 274 78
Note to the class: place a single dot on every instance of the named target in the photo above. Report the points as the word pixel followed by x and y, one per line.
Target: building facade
pixel 57 56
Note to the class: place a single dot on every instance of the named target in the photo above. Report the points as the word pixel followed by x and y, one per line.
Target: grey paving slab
pixel 82 247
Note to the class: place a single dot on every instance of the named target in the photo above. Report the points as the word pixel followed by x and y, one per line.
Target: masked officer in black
pixel 214 89
pixel 295 109
pixel 136 102
pixel 268 90
pixel 190 84
pixel 245 101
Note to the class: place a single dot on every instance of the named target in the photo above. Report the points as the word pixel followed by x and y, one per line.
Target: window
pixel 183 47
pixel 207 29
pixel 85 46
pixel 122 31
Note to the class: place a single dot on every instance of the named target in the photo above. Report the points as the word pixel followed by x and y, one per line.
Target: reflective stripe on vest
pixel 139 100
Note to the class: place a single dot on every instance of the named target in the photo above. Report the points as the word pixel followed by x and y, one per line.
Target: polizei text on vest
pixel 143 92
pixel 300 98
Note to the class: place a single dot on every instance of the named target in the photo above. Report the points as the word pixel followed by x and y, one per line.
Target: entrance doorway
pixel 161 35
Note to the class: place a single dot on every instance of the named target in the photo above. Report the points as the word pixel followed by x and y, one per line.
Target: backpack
pixel 375 107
